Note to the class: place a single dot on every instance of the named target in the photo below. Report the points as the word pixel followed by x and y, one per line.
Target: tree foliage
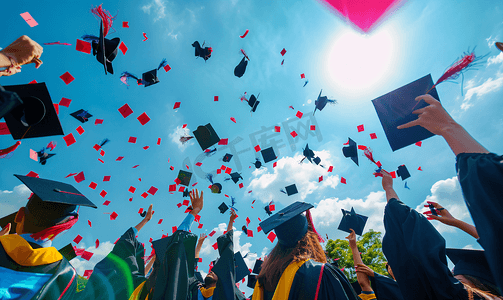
pixel 81 283
pixel 370 247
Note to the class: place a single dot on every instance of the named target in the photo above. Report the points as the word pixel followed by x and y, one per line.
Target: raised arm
pixel 387 185
pixel 445 217
pixel 20 52
pixel 200 242
pixel 145 220
pixel 231 220
pixel 363 279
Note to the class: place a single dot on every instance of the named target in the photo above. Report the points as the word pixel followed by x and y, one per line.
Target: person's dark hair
pixel 280 257
pixel 149 287
pixel 483 285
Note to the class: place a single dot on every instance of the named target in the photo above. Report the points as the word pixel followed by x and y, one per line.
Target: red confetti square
pixel 32 82
pixel 103 193
pixel 177 181
pixel 87 273
pixel 272 207
pixel 419 169
pixel 119 158
pixel 89 223
pixel 160 221
pixel 131 189
pixel 174 229
pixel 271 236
pixel 77 239
pixel 197 218
pixel 215 246
pixel 219 171
pixel 67 78
pixel 159 141
pixel 125 110
pixel 143 118
pixel 152 190
pixel 223 167
pixel 132 140
pixel 87 255
pixel 144 195
pixel 275 164
pixel 223 141
pixel 102 152
pixel 215 98
pixel 146 147
pixel 378 164
pixel 199 164
pixel 93 185
pixel 80 130
pixel 330 169
pixel 177 105
pixel 56 107
pixel 233 119
pixel 212 233
pixel 302 76
pixel 179 205
pixel 259 229
pixel 98 121
pixel 277 128
pixel 257 148
pixel 320 179
pixel 79 177
pixel 228 171
pixel 249 233
pixel 184 125
pixel 360 128
pixel 373 136
pixel 123 48
pixel 299 114
pixel 293 134
pixel 172 188
pixel 181 189
pixel 393 174
pixel 101 161
pixel 241 185
pixel 113 216
pixel 106 203
pixel 361 147
pixel 106 178
pixel 418 144
pixel 343 180
pixel 313 127
pixel 185 202
pixel 283 52
pixel 125 24
pixel 200 226
pixel 96 147
pixel 65 102
pixel 83 46
pixel 69 139
pixel 167 68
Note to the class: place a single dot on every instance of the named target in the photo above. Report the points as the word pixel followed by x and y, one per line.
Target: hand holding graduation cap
pixel 445 217
pixel 22 51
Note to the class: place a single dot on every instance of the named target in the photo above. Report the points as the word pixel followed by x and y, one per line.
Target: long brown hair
pixel 280 257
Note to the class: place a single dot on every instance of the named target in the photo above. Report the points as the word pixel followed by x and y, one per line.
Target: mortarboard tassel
pixel 209 152
pixel 184 139
pixel 57 43
pixel 310 222
pixel 126 75
pixel 9 149
pixel 209 176
pixel 52 232
pixel 368 154
pixel 163 63
pixel 105 16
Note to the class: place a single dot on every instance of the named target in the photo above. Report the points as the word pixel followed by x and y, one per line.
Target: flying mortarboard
pixel 206 136
pixel 395 109
pixel 184 177
pixel 205 52
pixel 235 177
pixel 104 49
pixel 227 157
pixel 257 267
pixel 499 45
pixel 352 220
pixel 68 252
pixel 403 172
pixel 351 151
pixel 257 163
pixel 291 190
pixel 321 102
pixel 289 224
pixel 253 102
pixel 35 116
pixel 149 78
pixel 268 154
pixel 241 268
pixel 472 263
pixel 223 207
pixel 81 115
pixel 186 193
pixel 50 203
pixel 252 280
pixel 240 69
pixel 44 157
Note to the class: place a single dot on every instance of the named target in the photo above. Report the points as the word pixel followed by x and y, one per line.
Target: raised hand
pixel 444 215
pixel 196 201
pixel 24 51
pixel 362 268
pixel 352 239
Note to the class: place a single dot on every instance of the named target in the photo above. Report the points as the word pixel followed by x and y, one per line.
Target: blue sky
pixel 418 38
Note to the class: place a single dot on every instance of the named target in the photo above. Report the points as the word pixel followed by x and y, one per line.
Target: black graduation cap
pixel 321 102
pixel 205 52
pixel 244 229
pixel 149 78
pixel 308 153
pixel 253 102
pixel 289 224
pixel 186 193
pixel 317 160
pixel 291 190
pixel 206 136
pixel 352 220
pixel 258 266
pixel 403 172
pixel 44 157
pixel 8 101
pixel 81 115
pixel 104 142
pixel 240 69
pixel 257 163
pixel 252 280
pixel 143 214
pixel 241 268
pixel 223 207
pixel 351 151
pixel 235 177
pixel 35 117
pixel 227 157
pixel 68 252
pixel 105 50
pixel 50 203
pixel 184 177
pixel 268 155
pixel 268 210
pixel 472 263
pixel 395 109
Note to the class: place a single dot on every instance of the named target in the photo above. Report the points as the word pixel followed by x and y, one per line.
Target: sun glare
pixel 358 62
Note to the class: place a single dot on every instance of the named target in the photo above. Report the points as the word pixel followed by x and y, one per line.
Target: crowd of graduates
pixel 296 268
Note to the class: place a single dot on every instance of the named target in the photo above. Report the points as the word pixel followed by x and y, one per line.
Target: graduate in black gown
pixel 297 265
pixel 480 175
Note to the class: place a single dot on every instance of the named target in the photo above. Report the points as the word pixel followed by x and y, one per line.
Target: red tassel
pixel 52 232
pixel 368 154
pixel 105 16
pixel 310 221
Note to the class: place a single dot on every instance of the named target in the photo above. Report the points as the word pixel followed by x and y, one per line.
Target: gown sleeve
pixel 385 288
pixel 481 179
pixel 416 253
pixel 224 268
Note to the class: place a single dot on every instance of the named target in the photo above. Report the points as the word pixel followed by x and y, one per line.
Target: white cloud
pixel 328 211
pixel 146 8
pixel 288 171
pixel 82 265
pixel 498 59
pixel 490 41
pixel 13 200
pixel 490 85
pixel 448 194
pixel 175 137
pixel 159 8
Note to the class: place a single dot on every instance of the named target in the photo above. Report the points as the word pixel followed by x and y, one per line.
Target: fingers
pixel 37 62
pixel 410 124
pixel 352 231
pixel 5 230
pixel 435 204
pixel 202 195
pixel 427 98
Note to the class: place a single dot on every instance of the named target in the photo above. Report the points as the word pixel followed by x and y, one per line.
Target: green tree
pixel 81 283
pixel 370 247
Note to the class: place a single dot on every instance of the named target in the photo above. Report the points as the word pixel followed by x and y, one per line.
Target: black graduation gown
pixel 481 180
pixel 226 270
pixel 174 278
pixel 416 253
pixel 240 69
pixel 385 288
pixel 118 274
pixel 61 285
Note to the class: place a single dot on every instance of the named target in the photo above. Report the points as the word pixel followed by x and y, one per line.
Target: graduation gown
pixel 28 270
pixel 226 270
pixel 309 280
pixel 416 253
pixel 385 288
pixel 481 180
pixel 118 274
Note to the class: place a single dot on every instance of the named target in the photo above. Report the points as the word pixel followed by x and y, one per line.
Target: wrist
pixel 195 211
pixel 451 129
pixel 5 60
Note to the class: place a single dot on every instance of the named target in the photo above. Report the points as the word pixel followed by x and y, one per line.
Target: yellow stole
pixel 284 285
pixel 207 292
pixel 23 254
